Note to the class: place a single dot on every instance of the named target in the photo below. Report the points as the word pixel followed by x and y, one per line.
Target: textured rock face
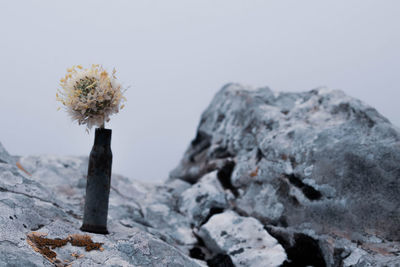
pixel 289 179
pixel 245 239
pixel 320 166
pixel 198 200
pixel 5 157
pixel 50 200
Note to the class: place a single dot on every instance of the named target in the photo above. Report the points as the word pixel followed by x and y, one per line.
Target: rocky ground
pixel 271 179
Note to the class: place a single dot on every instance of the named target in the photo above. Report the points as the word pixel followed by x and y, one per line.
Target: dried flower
pixel 90 95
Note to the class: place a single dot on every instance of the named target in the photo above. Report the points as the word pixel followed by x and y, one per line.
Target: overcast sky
pixel 175 55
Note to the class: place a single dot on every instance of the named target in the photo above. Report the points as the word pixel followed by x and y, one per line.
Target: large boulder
pixel 316 165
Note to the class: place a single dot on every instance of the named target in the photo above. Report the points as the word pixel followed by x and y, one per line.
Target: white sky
pixel 176 55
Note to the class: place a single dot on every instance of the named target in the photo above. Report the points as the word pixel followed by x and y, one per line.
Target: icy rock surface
pixel 320 169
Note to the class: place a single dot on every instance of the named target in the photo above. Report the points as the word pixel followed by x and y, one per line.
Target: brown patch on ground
pixel 84 241
pixel 45 246
pixel 254 173
pixel 22 168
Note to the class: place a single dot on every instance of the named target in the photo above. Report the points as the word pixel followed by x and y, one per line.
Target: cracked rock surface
pixel 243 238
pixel 319 169
pixel 270 179
pixel 50 200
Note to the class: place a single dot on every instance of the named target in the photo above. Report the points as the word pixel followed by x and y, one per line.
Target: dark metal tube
pixel 98 184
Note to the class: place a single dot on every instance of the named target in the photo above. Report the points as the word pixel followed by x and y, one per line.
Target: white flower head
pixel 91 95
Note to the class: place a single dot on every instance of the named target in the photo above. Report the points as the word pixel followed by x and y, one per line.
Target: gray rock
pixel 243 239
pixel 303 179
pixel 316 161
pixel 50 201
pixel 262 201
pixel 199 200
pixel 5 157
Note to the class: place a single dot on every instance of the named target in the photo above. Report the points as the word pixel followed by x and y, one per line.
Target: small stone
pixel 198 200
pixel 246 241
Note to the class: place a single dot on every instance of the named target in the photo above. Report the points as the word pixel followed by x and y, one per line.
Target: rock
pixel 203 199
pixel 290 179
pixel 243 239
pixel 320 163
pixel 50 201
pixel 262 201
pixel 5 157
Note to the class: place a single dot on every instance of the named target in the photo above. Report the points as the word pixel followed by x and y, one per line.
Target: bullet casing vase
pixel 98 184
